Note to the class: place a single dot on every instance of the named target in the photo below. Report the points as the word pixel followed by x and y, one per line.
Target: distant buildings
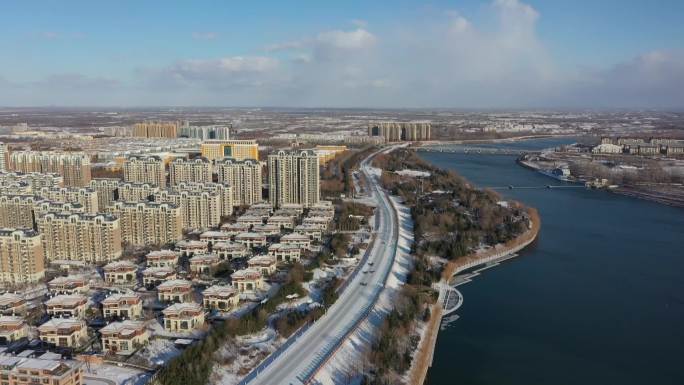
pixel 400 131
pixel 74 167
pixel 244 177
pixel 294 178
pixel 146 169
pixel 236 149
pixel 212 132
pixel 157 129
pixel 22 259
pixel 4 157
pixel 640 146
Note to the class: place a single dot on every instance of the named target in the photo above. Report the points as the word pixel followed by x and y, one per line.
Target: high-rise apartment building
pixel 244 178
pixel 147 169
pixel 400 131
pixel 17 211
pixel 236 149
pixel 84 196
pixel 81 237
pixel 206 132
pixel 201 204
pixel 136 192
pixel 30 182
pixel 21 256
pixel 190 170
pixel 157 129
pixel 4 157
pixel 149 223
pixel 293 178
pixel 107 192
pixel 200 210
pixel 74 167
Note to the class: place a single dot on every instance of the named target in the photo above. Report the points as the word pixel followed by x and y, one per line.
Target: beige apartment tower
pixel 149 223
pixel 401 131
pixel 196 170
pixel 21 257
pixel 74 167
pixel 81 237
pixel 244 177
pixel 148 169
pixel 293 178
pixel 157 129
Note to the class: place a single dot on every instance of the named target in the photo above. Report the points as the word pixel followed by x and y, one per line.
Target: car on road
pixel 364 283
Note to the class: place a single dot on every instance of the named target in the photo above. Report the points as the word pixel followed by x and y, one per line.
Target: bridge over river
pixel 476 150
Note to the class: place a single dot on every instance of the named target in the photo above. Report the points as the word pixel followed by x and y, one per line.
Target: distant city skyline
pixel 441 54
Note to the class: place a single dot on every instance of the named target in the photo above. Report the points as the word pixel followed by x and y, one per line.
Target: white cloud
pixel 445 60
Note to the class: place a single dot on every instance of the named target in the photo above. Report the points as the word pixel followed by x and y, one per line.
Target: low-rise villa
pixel 12 328
pixel 67 305
pixel 220 298
pixel 234 228
pixel 72 284
pixel 120 273
pixel 124 337
pixel 250 220
pixel 285 252
pixel 204 264
pixel 320 222
pixel 262 206
pixel 293 207
pixel 183 317
pixel 251 239
pixel 64 332
pixel 322 209
pixel 266 264
pixel 297 239
pixel 153 276
pixel 312 231
pixel 230 250
pixel 175 290
pixel 188 248
pixel 286 222
pixel 268 230
pixel 162 258
pixel 122 305
pixel 212 237
pixel 247 280
pixel 11 304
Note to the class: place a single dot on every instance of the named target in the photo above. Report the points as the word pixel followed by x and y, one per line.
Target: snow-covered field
pixel 414 173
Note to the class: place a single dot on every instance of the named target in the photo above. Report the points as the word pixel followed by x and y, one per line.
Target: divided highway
pixel 301 360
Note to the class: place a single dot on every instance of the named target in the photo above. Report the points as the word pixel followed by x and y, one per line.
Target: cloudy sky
pixel 453 54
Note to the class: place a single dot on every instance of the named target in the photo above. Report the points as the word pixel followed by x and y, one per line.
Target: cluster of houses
pixel 263 237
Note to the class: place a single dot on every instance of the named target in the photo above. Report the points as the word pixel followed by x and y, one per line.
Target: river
pixel 597 299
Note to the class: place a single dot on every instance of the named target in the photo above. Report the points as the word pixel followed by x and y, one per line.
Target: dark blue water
pixel 597 299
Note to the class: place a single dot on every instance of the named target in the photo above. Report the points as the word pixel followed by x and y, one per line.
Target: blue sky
pixel 494 53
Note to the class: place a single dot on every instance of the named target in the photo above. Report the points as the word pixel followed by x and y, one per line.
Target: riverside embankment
pixel 425 352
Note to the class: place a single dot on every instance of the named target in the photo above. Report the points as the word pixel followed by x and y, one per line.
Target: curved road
pixel 305 356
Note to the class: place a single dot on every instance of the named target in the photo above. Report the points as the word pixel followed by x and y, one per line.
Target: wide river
pixel 597 299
